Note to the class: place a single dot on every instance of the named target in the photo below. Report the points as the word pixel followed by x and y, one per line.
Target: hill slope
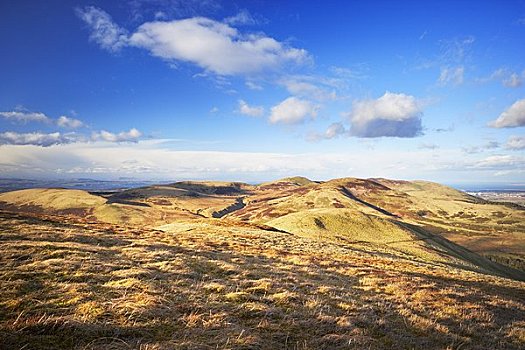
pixel 347 263
pixel 420 219
pixel 218 284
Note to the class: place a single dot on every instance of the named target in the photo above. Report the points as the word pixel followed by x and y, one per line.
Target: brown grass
pixel 67 285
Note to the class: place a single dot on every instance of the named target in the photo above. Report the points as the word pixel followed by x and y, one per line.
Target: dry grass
pixel 67 285
pixel 487 228
pixel 348 208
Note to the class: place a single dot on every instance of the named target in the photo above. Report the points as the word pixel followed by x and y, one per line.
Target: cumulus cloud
pixel 104 31
pixel 252 111
pixel 24 117
pixel 36 138
pixel 214 46
pixel 451 75
pixel 513 117
pixel 125 136
pixel 394 115
pixel 293 111
pixel 515 143
pixel 67 122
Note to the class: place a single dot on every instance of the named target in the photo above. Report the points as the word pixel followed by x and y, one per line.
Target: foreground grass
pixel 205 286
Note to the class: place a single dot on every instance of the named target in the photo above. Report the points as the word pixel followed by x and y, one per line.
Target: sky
pixel 259 90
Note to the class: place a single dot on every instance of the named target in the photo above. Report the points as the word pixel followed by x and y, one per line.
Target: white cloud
pixel 304 86
pixel 456 50
pixel 160 15
pixel 513 81
pixel 450 128
pixel 252 111
pixel 242 18
pixel 58 138
pixel 451 75
pixel 155 159
pixel 392 114
pixel 478 149
pixel 508 78
pixel 24 117
pixel 36 138
pixel 293 111
pixel 454 54
pixel 125 136
pixel 427 145
pixel 514 116
pixel 334 130
pixel 67 122
pixel 162 9
pixel 515 143
pixel 498 162
pixel 253 86
pixel 104 31
pixel 357 72
pixel 214 46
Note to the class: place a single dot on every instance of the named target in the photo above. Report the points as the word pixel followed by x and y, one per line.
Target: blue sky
pixel 257 90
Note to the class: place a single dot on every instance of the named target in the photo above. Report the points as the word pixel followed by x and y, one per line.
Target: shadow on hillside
pixel 349 194
pixel 233 189
pixel 443 245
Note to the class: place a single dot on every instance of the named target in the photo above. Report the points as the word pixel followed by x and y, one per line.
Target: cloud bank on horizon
pixel 243 90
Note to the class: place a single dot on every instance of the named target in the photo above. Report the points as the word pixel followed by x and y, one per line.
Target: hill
pixel 346 263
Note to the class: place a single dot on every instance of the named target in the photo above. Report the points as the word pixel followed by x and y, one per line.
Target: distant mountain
pixel 8 184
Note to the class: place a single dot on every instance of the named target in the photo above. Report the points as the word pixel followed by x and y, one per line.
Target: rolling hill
pixel 293 263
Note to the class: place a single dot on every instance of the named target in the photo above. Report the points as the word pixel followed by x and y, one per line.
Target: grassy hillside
pixel 380 212
pixel 51 198
pixel 495 230
pixel 292 264
pixel 218 284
